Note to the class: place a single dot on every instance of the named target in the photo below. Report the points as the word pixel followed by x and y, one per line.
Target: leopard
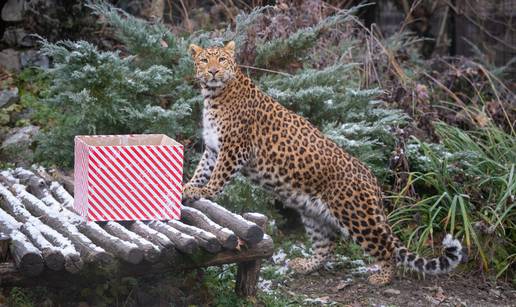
pixel 247 132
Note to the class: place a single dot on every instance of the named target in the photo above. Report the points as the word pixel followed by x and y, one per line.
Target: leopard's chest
pixel 210 133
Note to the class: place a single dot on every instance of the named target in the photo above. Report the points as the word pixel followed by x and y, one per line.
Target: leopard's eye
pixel 203 60
pixel 222 59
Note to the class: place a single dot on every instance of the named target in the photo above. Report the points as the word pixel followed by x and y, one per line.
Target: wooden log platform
pixel 44 242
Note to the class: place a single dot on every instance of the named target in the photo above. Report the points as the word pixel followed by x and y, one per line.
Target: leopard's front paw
pixel 300 265
pixel 191 192
pixel 379 279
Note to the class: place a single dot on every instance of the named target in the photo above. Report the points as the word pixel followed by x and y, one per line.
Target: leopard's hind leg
pixel 322 229
pixel 361 215
pixel 323 240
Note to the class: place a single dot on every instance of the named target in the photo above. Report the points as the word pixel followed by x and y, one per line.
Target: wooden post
pixel 5 240
pixel 248 272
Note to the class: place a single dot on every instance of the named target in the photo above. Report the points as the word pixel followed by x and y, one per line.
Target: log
pixel 257 218
pixel 62 178
pixel 42 172
pixel 244 229
pixel 37 187
pixel 183 242
pixel 196 218
pixel 262 249
pixel 35 184
pixel 26 224
pixel 59 220
pixel 151 252
pixel 5 242
pixel 7 178
pixel 165 245
pixel 150 240
pixel 27 257
pixel 206 240
pixel 126 250
pixel 59 193
pixel 13 277
pixel 53 257
pixel 57 250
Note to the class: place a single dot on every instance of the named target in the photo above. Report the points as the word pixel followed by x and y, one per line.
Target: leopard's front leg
pixel 204 168
pixel 229 162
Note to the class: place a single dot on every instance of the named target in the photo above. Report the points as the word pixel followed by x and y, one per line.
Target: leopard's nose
pixel 213 71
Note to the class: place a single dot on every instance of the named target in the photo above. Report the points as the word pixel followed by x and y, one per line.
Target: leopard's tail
pixel 452 255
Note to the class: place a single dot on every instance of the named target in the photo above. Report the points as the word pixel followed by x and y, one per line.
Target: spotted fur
pixel 336 195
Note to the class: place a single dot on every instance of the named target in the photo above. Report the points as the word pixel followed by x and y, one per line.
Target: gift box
pixel 128 177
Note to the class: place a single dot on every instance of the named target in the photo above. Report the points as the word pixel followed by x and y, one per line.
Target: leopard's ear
pixel 194 50
pixel 230 47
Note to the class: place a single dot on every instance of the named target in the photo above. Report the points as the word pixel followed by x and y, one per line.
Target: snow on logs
pixel 27 256
pixel 243 228
pixel 183 242
pixel 58 220
pixel 57 250
pixel 194 217
pixel 37 215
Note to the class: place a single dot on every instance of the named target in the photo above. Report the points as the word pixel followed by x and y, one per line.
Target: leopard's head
pixel 214 66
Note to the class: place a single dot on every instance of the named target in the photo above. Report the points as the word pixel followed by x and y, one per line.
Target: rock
pixel 17 146
pixel 14 37
pixel 20 136
pixel 391 292
pixel 13 10
pixel 10 60
pixel 34 58
pixel 8 97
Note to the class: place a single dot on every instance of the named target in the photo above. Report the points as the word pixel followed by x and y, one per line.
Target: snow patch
pixel 265 286
pixel 279 256
pixel 363 270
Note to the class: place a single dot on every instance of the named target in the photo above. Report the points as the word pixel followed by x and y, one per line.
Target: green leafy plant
pixel 469 185
pixel 19 297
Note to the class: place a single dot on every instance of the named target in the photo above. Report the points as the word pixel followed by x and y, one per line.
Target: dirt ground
pixel 341 289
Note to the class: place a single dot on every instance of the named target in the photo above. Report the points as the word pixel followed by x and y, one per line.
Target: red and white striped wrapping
pixel 128 177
